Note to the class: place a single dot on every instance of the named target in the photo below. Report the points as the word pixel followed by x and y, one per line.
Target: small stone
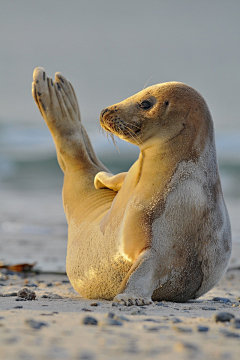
pixel 110 321
pixel 10 294
pixel 116 304
pixel 182 346
pixel 20 299
pixel 88 320
pixel 223 316
pixel 86 310
pixel 229 333
pixel 209 308
pixel 35 324
pixel 111 315
pixel 202 328
pixel 221 299
pixel 49 284
pixel 45 296
pixel 235 323
pixel 137 312
pixel 27 294
pixel 56 297
pixel 182 329
pixel 94 304
pixel 175 320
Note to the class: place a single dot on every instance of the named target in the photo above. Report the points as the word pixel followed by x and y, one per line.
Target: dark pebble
pixel 27 294
pixel 235 323
pixel 86 310
pixel 45 296
pixel 111 315
pixel 49 284
pixel 182 329
pixel 18 307
pixel 223 316
pixel 109 321
pixel 94 304
pixel 208 308
pixel 31 285
pixel 20 299
pixel 202 328
pixel 9 294
pixel 88 320
pixel 65 281
pixel 35 324
pixel 175 320
pixel 2 284
pixel 229 334
pixel 221 299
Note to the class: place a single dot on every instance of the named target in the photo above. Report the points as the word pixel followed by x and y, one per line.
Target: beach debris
pixel 222 316
pixel 221 299
pixel 35 324
pixel 27 294
pixel 9 294
pixel 18 267
pixel 88 320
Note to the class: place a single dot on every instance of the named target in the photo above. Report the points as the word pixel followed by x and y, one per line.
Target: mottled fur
pixel 160 231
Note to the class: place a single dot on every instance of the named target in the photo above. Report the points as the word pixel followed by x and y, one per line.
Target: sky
pixel 109 50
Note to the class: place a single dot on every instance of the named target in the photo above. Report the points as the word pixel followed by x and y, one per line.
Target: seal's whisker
pixel 136 126
pixel 147 82
pixel 133 135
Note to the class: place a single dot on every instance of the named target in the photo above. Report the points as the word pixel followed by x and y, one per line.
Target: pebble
pixel 117 317
pixel 51 296
pixel 182 329
pixel 116 304
pixel 229 333
pixel 208 308
pixel 18 307
pixel 20 299
pixel 221 299
pixel 88 320
pixel 35 324
pixel 110 321
pixel 235 323
pixel 175 320
pixel 9 294
pixel 202 328
pixel 138 312
pixel 94 304
pixel 27 294
pixel 223 316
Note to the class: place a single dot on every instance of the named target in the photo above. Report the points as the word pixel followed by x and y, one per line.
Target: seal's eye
pixel 145 105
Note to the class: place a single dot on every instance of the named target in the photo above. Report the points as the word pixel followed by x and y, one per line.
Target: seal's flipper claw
pixel 69 92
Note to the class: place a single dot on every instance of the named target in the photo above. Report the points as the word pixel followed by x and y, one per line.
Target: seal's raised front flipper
pixel 58 105
pixel 107 180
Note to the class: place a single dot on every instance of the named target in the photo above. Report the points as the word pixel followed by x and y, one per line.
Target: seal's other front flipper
pixel 107 180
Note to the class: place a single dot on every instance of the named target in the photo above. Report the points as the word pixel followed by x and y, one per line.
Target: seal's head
pixel 159 114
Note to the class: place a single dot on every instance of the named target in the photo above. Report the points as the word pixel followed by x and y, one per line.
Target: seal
pixel 160 231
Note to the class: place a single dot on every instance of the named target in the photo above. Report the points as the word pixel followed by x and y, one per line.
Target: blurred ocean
pixel 28 159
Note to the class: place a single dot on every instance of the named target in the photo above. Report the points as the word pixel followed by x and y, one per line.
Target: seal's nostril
pixel 104 111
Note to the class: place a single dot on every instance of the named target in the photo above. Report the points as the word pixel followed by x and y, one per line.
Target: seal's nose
pixel 104 112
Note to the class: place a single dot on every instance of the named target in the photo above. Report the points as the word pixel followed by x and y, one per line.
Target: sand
pixel 52 326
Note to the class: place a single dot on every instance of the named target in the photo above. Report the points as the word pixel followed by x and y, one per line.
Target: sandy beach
pixel 52 325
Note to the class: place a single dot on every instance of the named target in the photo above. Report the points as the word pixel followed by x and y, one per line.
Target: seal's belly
pixel 95 266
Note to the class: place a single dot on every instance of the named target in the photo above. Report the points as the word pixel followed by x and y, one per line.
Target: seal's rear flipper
pixel 107 180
